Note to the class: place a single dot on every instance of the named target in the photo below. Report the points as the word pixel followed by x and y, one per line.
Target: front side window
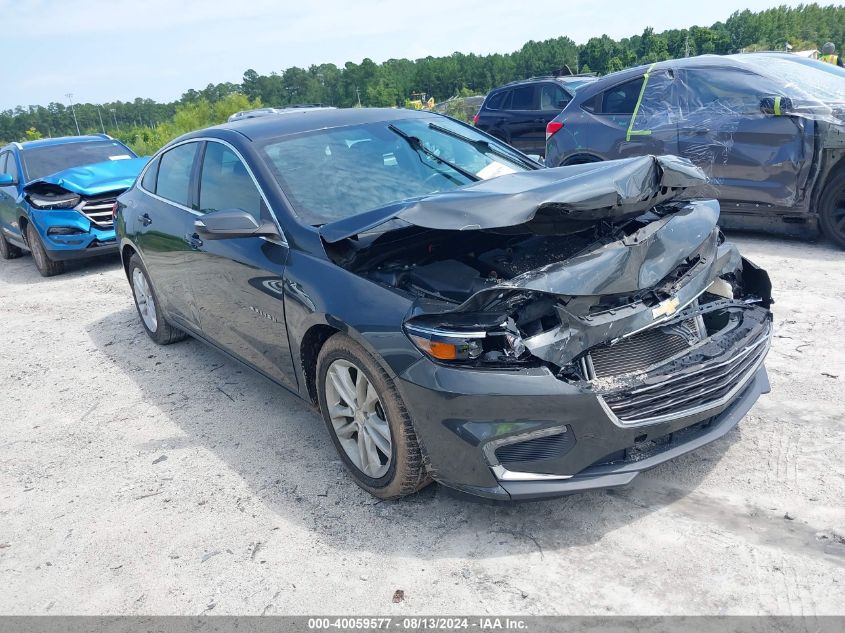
pixel 727 91
pixel 341 172
pixel 3 162
pixel 553 97
pixel 174 173
pixel 51 159
pixel 11 165
pixel 225 182
pixel 523 98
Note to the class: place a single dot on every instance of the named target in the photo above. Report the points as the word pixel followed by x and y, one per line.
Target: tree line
pixel 146 124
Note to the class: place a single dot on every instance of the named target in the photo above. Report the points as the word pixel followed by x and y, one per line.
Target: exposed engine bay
pixel 601 302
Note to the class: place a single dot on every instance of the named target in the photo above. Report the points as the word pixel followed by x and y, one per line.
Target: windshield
pixel 337 173
pixel 802 77
pixel 45 161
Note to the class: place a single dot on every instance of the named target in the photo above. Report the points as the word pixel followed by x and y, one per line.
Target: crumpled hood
pixel 636 263
pixel 95 179
pixel 615 189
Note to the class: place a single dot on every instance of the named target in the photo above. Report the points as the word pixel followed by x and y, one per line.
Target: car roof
pixel 699 61
pixel 62 140
pixel 300 120
pixel 564 79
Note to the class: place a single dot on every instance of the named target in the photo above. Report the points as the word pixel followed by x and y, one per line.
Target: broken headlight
pixel 54 201
pixel 481 338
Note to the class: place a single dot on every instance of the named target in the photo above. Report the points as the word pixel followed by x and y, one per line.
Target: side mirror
pixel 232 223
pixel 7 180
pixel 776 106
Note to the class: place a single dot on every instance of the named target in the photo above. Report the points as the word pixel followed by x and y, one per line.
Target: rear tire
pixel 373 408
pixel 46 266
pixel 155 323
pixel 832 209
pixel 8 251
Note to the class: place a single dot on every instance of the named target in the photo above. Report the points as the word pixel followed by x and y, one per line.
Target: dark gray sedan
pixel 455 312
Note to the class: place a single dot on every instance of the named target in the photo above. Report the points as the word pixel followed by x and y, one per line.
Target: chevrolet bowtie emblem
pixel 666 308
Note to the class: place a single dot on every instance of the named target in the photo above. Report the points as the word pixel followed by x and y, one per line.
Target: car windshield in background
pixel 341 172
pixel 45 161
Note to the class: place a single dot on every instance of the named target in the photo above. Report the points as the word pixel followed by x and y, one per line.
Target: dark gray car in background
pixel 767 128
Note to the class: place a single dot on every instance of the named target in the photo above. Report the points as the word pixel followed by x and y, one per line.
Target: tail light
pixel 553 128
pixel 114 210
pixel 475 120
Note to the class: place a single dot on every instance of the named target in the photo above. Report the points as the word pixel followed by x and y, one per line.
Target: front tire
pixel 367 421
pixel 155 323
pixel 8 251
pixel 832 209
pixel 46 266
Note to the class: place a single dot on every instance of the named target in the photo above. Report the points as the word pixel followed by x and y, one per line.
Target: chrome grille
pixel 707 386
pixel 98 211
pixel 641 351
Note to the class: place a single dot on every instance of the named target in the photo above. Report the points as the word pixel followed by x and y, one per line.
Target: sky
pixel 107 50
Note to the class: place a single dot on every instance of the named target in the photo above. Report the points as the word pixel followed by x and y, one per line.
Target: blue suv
pixel 57 195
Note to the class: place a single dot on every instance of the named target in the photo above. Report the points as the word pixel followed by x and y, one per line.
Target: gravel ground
pixel 137 479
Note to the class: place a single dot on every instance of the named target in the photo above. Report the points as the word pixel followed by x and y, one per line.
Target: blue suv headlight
pixel 53 201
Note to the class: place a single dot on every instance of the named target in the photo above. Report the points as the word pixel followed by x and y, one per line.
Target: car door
pixel 525 127
pixel 237 283
pixel 8 199
pixel 163 222
pixel 752 156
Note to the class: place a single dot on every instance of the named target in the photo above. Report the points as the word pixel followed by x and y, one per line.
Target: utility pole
pixel 69 96
pixel 99 114
pixel 114 116
pixel 686 46
pixel 358 92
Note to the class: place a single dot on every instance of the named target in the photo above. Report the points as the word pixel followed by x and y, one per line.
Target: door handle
pixel 145 219
pixel 193 241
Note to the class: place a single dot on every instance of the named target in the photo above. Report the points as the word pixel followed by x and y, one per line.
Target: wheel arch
pixel 309 350
pixel 580 158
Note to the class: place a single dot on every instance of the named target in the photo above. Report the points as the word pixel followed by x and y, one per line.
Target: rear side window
pixel 149 180
pixel 496 101
pixel 523 98
pixel 174 173
pixel 622 98
pixel 225 183
pixel 3 162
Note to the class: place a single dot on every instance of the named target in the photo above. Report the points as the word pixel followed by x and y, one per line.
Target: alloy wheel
pixel 358 418
pixel 144 299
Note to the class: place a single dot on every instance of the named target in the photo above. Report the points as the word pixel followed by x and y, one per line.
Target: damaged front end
pixel 602 275
pixel 73 209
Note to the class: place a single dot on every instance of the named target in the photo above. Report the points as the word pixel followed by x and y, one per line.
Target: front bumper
pixel 90 240
pixel 462 415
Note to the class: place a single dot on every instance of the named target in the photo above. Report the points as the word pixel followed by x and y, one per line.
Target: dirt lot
pixel 142 479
